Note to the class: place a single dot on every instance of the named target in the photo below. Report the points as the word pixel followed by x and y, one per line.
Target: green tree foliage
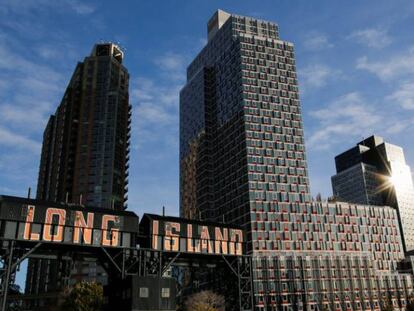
pixel 84 296
pixel 205 301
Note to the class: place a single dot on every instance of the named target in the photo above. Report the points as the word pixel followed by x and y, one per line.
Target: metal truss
pixel 11 257
pixel 122 263
pixel 141 262
pixel 241 266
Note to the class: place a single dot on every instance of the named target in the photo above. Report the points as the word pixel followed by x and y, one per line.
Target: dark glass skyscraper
pixel 242 160
pixel 375 172
pixel 85 151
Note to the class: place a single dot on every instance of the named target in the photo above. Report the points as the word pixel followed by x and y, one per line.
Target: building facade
pixel 243 161
pixel 375 172
pixel 85 155
pixel 86 142
pixel 334 256
pixel 241 136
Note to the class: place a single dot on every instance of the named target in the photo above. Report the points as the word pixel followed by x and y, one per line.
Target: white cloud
pixel 347 116
pixel 157 103
pixel 150 113
pixel 316 41
pixel 396 66
pixel 156 111
pixel 28 71
pixel 316 76
pixel 16 141
pixel 372 37
pixel 30 91
pixel 172 66
pixel 27 117
pixel 170 61
pixel 351 117
pixel 404 95
pixel 47 52
pixel 398 127
pixel 29 6
pixel 80 7
pixel 164 94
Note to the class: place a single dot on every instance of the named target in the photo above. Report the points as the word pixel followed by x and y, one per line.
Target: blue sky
pixel 355 61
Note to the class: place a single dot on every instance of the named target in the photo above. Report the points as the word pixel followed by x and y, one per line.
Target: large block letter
pixel 172 236
pixel 47 234
pixel 221 241
pixel 206 244
pixel 114 232
pixel 193 245
pixel 28 235
pixel 236 242
pixel 86 227
pixel 155 234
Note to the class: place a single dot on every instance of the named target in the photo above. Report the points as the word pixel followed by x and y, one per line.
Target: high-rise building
pixel 375 172
pixel 86 142
pixel 242 160
pixel 241 137
pixel 85 152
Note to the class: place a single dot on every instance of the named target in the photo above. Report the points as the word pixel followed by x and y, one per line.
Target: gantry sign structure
pixel 36 229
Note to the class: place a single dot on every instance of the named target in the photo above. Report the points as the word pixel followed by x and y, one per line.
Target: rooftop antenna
pixel 163 210
pixel 29 192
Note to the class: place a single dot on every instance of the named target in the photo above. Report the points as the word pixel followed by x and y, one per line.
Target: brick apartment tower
pixel 85 150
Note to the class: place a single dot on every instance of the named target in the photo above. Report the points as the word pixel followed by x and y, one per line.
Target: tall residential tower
pixel 241 137
pixel 86 142
pixel 85 154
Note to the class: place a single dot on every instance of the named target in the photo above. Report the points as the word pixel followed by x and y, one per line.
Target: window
pixel 143 292
pixel 165 292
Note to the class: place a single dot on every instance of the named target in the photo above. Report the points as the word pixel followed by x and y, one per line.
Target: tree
pixel 84 296
pixel 205 301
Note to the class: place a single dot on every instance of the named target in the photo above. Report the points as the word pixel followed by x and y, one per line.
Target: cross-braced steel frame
pixel 123 262
pixel 148 262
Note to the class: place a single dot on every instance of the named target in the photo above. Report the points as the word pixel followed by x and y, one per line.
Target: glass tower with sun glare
pixel 375 172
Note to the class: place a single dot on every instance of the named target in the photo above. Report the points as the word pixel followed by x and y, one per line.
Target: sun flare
pixel 400 180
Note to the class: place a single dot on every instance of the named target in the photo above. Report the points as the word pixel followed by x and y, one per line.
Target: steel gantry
pixel 124 262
